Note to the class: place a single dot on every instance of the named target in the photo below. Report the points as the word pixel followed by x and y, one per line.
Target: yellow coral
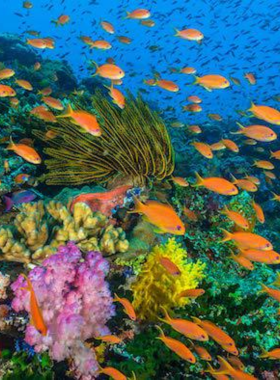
pixel 155 287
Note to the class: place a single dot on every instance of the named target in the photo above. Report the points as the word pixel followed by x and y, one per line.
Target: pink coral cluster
pixel 75 302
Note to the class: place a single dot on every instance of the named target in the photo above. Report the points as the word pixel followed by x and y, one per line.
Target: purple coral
pixel 75 302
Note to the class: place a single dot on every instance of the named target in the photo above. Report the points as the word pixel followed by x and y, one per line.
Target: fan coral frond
pixel 154 287
pixel 134 143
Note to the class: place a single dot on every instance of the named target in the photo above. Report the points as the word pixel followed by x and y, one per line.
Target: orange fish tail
pixel 138 206
pixel 68 112
pixel 199 180
pixel 264 353
pixel 227 236
pixel 225 367
pixel 161 332
pixel 167 317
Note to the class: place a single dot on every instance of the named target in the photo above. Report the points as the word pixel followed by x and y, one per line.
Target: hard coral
pixel 134 143
pixel 40 229
pixel 75 302
pixel 154 287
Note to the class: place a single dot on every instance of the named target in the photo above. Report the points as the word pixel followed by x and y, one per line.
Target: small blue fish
pixel 17 198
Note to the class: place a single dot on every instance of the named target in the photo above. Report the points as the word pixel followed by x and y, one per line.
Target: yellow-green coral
pixel 154 287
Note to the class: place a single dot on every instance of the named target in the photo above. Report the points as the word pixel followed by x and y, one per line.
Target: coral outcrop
pixel 75 302
pixel 40 229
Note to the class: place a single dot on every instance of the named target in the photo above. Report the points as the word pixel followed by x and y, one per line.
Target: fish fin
pixel 251 106
pixel 225 367
pixel 227 236
pixel 161 331
pixel 264 353
pixel 68 112
pixel 233 179
pixel 167 317
pixel 196 320
pixel 96 66
pixel 199 180
pixel 157 230
pixel 207 88
pixel 263 289
pixel 240 130
pixel 138 206
pixel 209 369
pixel 116 298
pixel 177 32
pixel 8 202
pixel 277 281
pixel 275 196
pixel 55 22
pixel 127 14
pixel 11 145
pixel 195 79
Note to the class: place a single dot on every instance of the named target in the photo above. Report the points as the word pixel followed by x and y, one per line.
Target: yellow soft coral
pixel 154 287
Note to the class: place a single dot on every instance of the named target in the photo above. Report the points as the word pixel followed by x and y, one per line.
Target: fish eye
pixel 202 336
pixel 179 228
pixel 230 344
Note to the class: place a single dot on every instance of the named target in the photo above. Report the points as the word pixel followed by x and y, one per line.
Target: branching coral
pixel 154 287
pixel 41 229
pixel 75 302
pixel 134 143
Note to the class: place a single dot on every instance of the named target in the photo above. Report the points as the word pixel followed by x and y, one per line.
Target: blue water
pixel 240 36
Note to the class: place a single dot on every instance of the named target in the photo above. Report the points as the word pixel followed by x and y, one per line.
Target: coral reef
pixel 155 288
pixel 76 305
pixel 40 229
pixel 134 143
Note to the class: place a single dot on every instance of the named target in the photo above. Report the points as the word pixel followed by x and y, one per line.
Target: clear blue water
pixel 240 36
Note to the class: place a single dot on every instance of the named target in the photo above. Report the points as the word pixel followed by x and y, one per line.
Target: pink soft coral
pixel 76 304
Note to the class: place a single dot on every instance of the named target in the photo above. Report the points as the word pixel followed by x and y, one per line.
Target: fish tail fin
pixel 177 32
pixel 138 206
pixel 11 144
pixel 29 285
pixel 195 79
pixel 167 317
pixel 225 367
pixel 127 15
pixel 275 196
pixel 234 180
pixel 209 369
pixel 68 112
pixel 251 106
pixel 96 67
pixel 271 154
pixel 116 298
pixel 8 203
pixel 196 320
pixel 199 180
pixel 277 281
pixel 227 236
pixel 161 332
pixel 264 353
pixel 240 130
pixel 225 210
pixel 264 288
pixel 55 22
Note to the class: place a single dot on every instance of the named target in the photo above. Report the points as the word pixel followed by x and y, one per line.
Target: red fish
pixel 103 202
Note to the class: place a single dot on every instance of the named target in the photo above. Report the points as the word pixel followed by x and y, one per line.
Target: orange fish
pixel 248 141
pixel 190 214
pixel 53 103
pixel 149 23
pixel 169 266
pixel 235 81
pixel 36 315
pixel 274 293
pixel 236 374
pixel 49 43
pixel 264 164
pixel 194 129
pixel 215 116
pixel 259 212
pixel 257 132
pixel 167 85
pixel 230 145
pixel 45 91
pixel 216 184
pixel 248 240
pixel 243 261
pixel 215 374
pixel 108 27
pixel 275 197
pixel 112 339
pixel 275 155
pixel 273 354
pixel 87 121
pixel 24 84
pixel 100 44
pixel 245 184
pixel 253 179
pixel 62 20
pixel 268 114
pixel 191 293
pixel 204 149
pixel 41 112
pixel 217 334
pixel 117 96
pixel 21 178
pixel 139 14
pixel 176 346
pixel 192 108
pixel 150 82
pixel 49 135
pixel 6 91
pixel 236 362
pixel 27 5
pixel 180 181
pixel 218 146
pixel 38 43
pixel 112 372
pixel 187 328
pixel 28 153
pixel 194 99
pixel 6 73
pixel 14 102
pixel 128 308
pixel 267 257
pixel 124 39
pixel 190 34
pixel 188 70
pixel 202 352
pixel 251 78
pixel 108 71
pixel 237 218
pixel 212 82
pixel 37 66
pixel 160 215
pixel 269 174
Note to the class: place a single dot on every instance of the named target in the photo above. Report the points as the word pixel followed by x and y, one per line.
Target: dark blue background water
pixel 240 36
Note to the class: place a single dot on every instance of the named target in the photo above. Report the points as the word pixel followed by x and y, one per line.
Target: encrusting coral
pixel 155 287
pixel 134 143
pixel 75 302
pixel 40 229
